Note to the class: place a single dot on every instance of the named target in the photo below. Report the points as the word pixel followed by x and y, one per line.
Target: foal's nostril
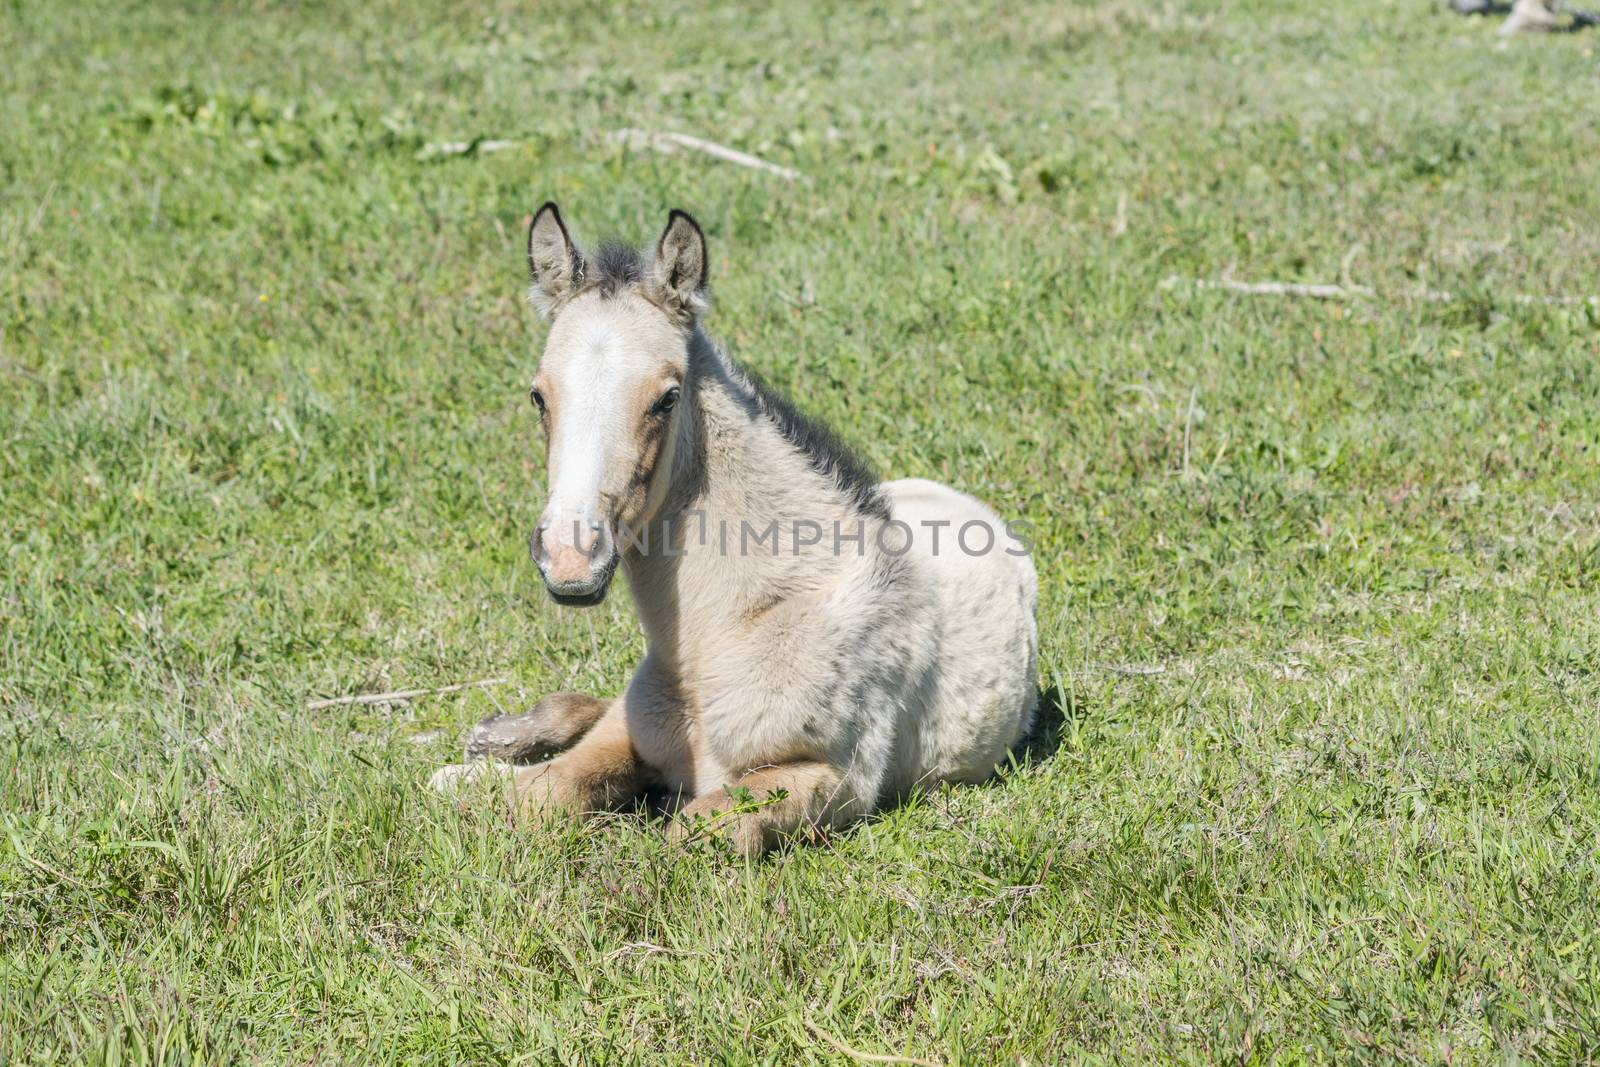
pixel 583 535
pixel 600 544
pixel 536 547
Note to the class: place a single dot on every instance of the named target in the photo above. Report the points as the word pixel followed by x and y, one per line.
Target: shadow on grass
pixel 1059 714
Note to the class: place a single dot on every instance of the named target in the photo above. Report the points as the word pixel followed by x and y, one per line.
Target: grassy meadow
pixel 1320 579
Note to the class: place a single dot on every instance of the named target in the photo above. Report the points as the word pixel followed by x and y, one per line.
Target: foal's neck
pixel 744 502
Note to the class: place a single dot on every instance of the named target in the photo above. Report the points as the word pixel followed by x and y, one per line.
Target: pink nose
pixel 567 566
pixel 573 554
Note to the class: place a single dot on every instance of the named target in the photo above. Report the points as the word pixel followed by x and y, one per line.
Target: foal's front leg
pixel 805 797
pixel 600 773
pixel 554 725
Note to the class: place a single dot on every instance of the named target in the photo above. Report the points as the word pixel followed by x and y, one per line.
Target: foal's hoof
pixel 513 738
pixel 457 776
pixel 554 724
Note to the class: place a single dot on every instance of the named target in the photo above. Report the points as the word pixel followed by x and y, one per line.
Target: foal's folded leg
pixel 554 725
pixel 601 772
pixel 790 798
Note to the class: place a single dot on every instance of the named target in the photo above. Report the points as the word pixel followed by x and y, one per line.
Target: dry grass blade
pixel 1329 291
pixel 671 142
pixel 401 695
pixel 866 1057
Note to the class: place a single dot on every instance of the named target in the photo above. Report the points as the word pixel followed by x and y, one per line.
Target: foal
pixel 817 643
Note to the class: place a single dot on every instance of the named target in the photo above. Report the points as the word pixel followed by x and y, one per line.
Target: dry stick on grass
pixel 1323 291
pixel 671 142
pixel 865 1057
pixel 401 695
pixel 1135 670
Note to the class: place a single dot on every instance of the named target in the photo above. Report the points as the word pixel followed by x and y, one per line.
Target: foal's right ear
pixel 554 263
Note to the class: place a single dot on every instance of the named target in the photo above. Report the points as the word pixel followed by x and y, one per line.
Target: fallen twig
pixel 401 695
pixel 1316 290
pixel 671 142
pixel 1135 670
pixel 865 1057
pixel 1326 291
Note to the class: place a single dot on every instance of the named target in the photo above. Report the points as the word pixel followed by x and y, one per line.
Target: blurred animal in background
pixel 1530 16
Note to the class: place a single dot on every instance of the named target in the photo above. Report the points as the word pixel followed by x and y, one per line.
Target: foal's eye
pixel 668 399
pixel 537 398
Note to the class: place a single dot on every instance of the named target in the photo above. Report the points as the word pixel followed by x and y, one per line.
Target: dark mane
pixel 829 455
pixel 613 267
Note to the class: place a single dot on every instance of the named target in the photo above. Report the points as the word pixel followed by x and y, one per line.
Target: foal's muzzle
pixel 576 557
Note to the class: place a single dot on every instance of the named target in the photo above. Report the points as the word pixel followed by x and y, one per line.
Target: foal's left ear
pixel 681 271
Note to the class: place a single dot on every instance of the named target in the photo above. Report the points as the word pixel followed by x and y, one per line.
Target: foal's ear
pixel 679 275
pixel 554 262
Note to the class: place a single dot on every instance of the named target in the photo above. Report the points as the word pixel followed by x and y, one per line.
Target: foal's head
pixel 608 390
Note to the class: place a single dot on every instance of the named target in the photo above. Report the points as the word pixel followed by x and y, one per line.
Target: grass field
pixel 1319 603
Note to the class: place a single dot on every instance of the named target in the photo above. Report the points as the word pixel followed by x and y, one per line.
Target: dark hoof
pixel 553 726
pixel 524 738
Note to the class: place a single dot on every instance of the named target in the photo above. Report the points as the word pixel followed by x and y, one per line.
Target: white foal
pixel 818 643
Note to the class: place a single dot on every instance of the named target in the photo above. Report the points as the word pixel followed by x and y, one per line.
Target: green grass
pixel 264 438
